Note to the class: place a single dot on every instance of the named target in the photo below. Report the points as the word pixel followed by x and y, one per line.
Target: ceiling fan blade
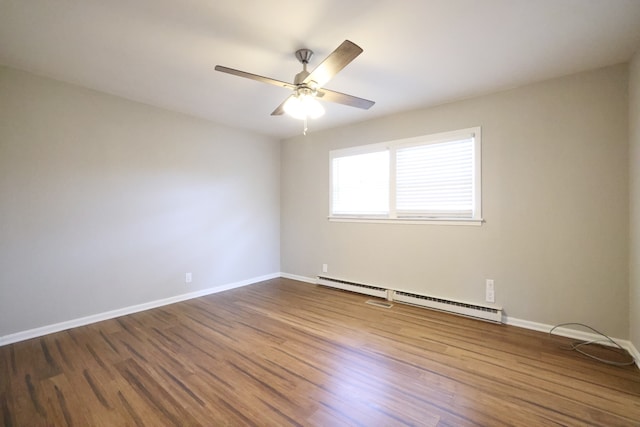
pixel 342 98
pixel 280 109
pixel 336 61
pixel 254 77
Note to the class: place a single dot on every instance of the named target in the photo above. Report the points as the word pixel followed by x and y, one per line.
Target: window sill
pixel 449 221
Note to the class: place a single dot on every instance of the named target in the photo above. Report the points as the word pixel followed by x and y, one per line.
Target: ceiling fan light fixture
pixel 302 106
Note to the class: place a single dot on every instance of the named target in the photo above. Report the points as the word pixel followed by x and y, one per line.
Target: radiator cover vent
pixel 492 314
pixel 360 288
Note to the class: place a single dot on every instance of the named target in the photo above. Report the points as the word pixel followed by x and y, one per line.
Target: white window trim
pixel 392 146
pixel 443 221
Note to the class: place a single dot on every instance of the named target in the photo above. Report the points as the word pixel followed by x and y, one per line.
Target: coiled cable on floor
pixel 577 346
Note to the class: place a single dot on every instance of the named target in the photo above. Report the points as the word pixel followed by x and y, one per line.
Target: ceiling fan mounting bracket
pixel 304 55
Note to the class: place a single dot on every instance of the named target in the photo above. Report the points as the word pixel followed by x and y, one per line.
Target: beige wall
pixel 634 164
pixel 106 203
pixel 555 201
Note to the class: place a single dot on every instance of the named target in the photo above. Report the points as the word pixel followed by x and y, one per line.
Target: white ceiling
pixel 417 53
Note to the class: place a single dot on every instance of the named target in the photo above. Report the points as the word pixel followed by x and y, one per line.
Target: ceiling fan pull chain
pixel 304 132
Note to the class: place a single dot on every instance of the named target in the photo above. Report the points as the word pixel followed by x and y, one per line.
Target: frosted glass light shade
pixel 303 106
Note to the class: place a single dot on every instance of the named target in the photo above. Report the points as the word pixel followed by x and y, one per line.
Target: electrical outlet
pixel 490 291
pixel 325 268
pixel 188 278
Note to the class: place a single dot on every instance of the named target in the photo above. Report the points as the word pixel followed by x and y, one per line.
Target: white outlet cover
pixel 490 296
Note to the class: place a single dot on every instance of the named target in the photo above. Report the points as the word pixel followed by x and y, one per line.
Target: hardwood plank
pixel 288 353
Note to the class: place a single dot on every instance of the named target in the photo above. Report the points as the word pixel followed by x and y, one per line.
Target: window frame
pixel 392 147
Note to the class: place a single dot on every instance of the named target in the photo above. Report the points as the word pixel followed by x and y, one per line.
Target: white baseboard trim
pixel 572 333
pixel 312 280
pixel 82 321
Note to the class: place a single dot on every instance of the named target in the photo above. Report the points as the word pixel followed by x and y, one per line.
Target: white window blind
pixel 361 184
pixel 427 178
pixel 435 180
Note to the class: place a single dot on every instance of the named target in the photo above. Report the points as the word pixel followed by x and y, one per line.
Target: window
pixel 361 184
pixel 428 178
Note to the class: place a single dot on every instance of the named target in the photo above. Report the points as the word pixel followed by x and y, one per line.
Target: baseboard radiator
pixel 491 314
pixel 374 291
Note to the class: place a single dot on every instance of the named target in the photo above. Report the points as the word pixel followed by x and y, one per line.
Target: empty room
pixel 320 213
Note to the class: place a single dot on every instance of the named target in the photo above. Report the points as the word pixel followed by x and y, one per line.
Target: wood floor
pixel 288 353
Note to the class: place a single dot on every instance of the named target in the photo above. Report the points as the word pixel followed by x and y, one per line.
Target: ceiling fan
pixel 308 86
